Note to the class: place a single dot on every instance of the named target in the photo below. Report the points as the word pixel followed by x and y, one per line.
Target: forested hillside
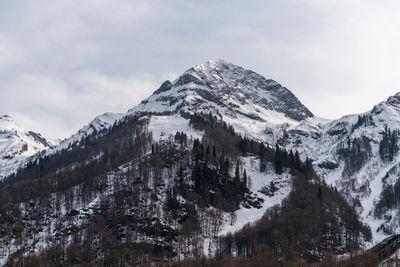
pixel 137 200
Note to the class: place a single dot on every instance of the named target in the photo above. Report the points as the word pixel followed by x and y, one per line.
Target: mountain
pixel 226 90
pixel 17 145
pixel 265 111
pixel 220 150
pixel 358 154
pixel 346 152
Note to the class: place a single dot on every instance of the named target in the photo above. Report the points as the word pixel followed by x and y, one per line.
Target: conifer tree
pixel 278 160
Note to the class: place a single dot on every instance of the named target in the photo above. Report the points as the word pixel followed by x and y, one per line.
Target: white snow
pixel 99 123
pixel 16 146
pixel 258 180
pixel 162 127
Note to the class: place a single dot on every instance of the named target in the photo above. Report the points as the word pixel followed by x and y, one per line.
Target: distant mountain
pixel 358 154
pixel 98 124
pixel 17 145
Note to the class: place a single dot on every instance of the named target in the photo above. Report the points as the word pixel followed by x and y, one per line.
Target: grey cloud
pixel 64 62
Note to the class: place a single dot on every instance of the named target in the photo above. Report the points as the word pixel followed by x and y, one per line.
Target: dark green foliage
pixel 208 178
pixel 388 147
pixel 390 199
pixel 262 150
pixel 181 137
pixel 319 193
pixel 279 157
pixel 363 120
pixel 355 152
pixel 171 201
pixel 283 159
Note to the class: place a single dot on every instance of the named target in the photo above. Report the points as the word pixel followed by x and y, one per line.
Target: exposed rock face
pixel 228 88
pixel 166 86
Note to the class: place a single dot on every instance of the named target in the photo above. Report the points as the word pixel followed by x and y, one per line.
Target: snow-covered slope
pixel 17 145
pixel 99 123
pixel 345 151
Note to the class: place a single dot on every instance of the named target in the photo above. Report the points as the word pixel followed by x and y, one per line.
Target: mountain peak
pixel 5 118
pixel 215 71
pixel 394 100
pixel 228 89
pixel 8 124
pixel 215 64
pixel 17 145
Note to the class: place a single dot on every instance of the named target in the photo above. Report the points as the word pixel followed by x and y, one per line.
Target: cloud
pixel 64 62
pixel 10 54
pixel 60 107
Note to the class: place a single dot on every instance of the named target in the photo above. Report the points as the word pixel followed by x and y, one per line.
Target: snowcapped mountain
pixel 263 110
pixel 147 167
pixel 355 155
pixel 17 145
pixel 240 97
pixel 346 151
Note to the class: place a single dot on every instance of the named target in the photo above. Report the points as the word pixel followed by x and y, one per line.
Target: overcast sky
pixel 63 62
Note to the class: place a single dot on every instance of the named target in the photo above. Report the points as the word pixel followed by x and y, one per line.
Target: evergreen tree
pixel 319 193
pixel 262 150
pixel 244 183
pixel 278 160
pixel 297 163
pixel 262 155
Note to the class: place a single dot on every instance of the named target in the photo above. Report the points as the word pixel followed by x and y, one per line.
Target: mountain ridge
pixel 346 152
pixel 225 87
